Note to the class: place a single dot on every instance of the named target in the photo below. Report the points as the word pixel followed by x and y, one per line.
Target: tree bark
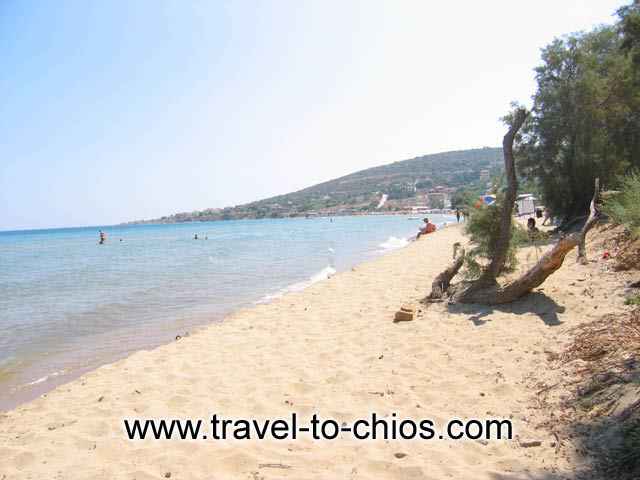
pixel 503 235
pixel 486 289
pixel 594 216
pixel 494 294
pixel 442 282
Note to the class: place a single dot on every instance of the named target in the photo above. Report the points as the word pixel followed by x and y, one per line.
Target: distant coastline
pixel 171 220
pixel 425 184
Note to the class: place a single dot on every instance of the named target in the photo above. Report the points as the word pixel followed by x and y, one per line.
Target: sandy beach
pixel 332 349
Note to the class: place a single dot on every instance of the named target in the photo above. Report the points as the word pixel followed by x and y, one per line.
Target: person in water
pixel 195 237
pixel 103 237
pixel 428 228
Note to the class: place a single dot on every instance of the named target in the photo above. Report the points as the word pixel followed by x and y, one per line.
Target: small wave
pixel 393 243
pixel 44 379
pixel 324 274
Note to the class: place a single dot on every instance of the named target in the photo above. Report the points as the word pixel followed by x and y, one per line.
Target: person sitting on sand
pixel 532 230
pixel 428 228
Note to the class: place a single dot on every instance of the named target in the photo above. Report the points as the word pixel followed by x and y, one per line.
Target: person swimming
pixel 103 238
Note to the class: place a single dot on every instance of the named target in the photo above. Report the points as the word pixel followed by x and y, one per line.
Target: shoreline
pixel 323 349
pixel 67 371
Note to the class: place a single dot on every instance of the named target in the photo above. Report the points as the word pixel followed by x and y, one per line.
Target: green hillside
pixel 404 182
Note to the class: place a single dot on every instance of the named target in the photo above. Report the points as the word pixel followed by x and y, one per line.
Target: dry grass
pixel 612 338
pixel 622 245
pixel 605 407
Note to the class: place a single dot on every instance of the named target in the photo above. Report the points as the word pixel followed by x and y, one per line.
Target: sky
pixel 119 110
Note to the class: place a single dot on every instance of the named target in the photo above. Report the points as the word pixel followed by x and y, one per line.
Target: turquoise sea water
pixel 68 304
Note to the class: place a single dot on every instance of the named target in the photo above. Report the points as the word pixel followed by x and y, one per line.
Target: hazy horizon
pixel 54 227
pixel 123 111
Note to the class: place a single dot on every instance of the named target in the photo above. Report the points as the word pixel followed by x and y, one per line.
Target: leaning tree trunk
pixel 474 292
pixel 486 289
pixel 503 236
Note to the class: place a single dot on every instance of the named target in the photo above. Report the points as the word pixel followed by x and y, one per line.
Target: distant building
pixel 417 209
pixel 439 199
pixel 526 204
pixel 408 186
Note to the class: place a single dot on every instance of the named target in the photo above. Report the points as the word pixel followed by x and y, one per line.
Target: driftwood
pixel 441 283
pixel 486 290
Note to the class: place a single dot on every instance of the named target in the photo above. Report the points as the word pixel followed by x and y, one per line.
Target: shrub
pixel 624 207
pixel 632 300
pixel 481 227
pixel 623 461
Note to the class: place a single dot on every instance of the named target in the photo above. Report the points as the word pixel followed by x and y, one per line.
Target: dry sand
pixel 331 349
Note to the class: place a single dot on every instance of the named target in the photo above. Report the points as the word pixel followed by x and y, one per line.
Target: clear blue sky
pixel 119 110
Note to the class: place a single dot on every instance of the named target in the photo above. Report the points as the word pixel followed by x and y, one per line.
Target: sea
pixel 69 304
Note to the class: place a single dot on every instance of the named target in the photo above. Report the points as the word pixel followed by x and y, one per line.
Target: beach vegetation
pixel 633 300
pixel 604 407
pixel 496 231
pixel 481 226
pixel 623 207
pixel 584 122
pixel 624 459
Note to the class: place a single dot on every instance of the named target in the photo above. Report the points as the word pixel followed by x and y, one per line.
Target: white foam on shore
pixel 393 243
pixel 44 379
pixel 324 274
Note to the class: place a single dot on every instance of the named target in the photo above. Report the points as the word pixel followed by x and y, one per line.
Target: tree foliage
pixel 624 207
pixel 585 120
pixel 481 227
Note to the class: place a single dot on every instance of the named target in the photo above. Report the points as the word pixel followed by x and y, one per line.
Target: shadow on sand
pixel 530 476
pixel 536 303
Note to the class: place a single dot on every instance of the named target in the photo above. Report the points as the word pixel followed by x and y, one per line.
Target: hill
pixel 428 181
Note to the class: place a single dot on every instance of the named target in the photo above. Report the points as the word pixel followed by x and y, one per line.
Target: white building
pixel 526 204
